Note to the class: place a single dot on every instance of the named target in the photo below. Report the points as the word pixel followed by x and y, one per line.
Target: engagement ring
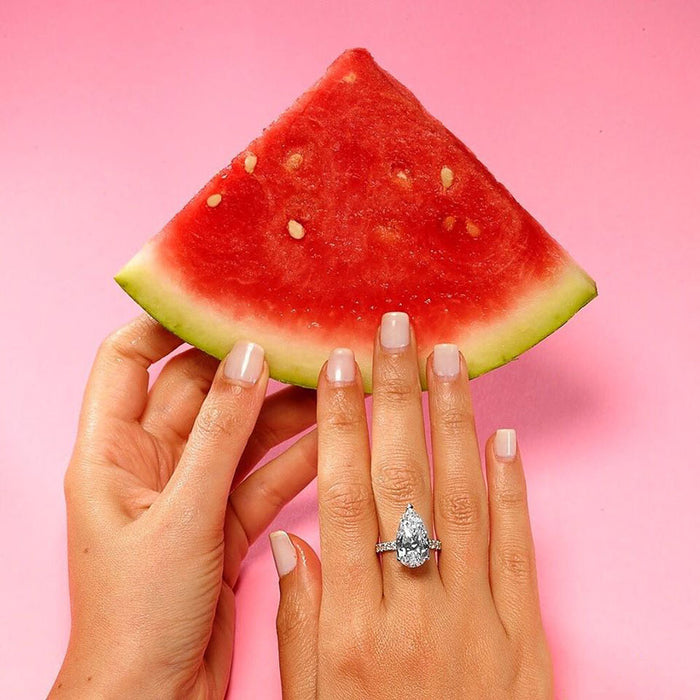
pixel 412 544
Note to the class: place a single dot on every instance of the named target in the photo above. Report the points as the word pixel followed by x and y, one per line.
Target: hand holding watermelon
pixel 156 533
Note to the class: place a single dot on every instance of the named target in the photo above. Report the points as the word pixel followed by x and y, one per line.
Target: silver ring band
pixel 391 546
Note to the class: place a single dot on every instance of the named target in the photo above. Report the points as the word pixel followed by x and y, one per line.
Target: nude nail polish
pixel 283 552
pixel 505 444
pixel 341 366
pixel 394 330
pixel 446 360
pixel 244 363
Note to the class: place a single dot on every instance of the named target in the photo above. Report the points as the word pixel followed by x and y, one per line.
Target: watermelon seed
pixel 447 177
pixel 251 160
pixel 350 77
pixel 449 222
pixel 296 230
pixel 213 200
pixel 473 230
pixel 294 161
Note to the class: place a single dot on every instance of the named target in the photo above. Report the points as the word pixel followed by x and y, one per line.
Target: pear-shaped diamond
pixel 412 539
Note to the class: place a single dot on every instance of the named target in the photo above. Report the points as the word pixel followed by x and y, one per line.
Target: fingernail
pixel 283 552
pixel 341 366
pixel 505 444
pixel 446 360
pixel 393 333
pixel 245 362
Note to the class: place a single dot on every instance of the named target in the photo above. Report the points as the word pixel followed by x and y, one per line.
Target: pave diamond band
pixel 391 546
pixel 412 544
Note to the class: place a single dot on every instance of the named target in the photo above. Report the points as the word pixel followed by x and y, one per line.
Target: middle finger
pixel 400 467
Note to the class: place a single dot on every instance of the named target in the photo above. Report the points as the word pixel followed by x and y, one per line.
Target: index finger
pixel 118 383
pixel 346 504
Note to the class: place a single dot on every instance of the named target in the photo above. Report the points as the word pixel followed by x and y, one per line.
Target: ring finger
pixel 400 467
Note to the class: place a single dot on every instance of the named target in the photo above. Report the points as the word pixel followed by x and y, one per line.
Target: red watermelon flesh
pixel 356 201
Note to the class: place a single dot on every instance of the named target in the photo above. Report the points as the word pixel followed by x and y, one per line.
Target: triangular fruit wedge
pixel 356 201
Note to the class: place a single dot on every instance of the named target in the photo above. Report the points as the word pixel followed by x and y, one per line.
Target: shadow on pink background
pixel 113 114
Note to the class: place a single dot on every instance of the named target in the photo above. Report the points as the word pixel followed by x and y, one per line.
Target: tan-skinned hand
pixel 465 625
pixel 156 531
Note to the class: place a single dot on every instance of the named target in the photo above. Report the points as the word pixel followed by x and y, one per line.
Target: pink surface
pixel 113 114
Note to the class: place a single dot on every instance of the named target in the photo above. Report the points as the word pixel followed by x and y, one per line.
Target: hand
pixel 464 625
pixel 156 534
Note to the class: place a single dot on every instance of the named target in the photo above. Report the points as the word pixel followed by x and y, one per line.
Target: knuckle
pixel 129 342
pixel 269 493
pixel 395 389
pixel 402 480
pixel 349 649
pixel 511 498
pixel 517 562
pixel 336 652
pixel 192 370
pixel 413 649
pixel 342 422
pixel 112 346
pixel 342 414
pixel 120 342
pixel 455 419
pixel 346 503
pixel 215 422
pixel 461 509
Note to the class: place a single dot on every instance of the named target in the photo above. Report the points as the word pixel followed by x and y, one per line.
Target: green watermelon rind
pixel 291 359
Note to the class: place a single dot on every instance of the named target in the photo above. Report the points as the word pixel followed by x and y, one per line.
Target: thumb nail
pixel 283 552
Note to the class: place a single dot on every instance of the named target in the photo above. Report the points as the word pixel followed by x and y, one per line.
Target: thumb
pixel 297 618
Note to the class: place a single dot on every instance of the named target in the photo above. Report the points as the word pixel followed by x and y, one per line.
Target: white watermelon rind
pixel 535 315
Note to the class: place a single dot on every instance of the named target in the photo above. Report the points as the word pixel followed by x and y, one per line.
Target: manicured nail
pixel 446 360
pixel 341 366
pixel 245 362
pixel 505 444
pixel 283 552
pixel 394 333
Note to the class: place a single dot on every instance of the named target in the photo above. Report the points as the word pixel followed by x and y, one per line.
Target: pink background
pixel 113 113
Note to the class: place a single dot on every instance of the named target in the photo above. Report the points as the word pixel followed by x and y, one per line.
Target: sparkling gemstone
pixel 412 539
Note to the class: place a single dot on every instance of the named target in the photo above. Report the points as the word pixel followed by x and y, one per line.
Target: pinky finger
pixel 511 550
pixel 297 617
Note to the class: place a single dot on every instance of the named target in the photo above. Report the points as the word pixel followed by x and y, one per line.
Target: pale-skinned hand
pixel 465 624
pixel 161 514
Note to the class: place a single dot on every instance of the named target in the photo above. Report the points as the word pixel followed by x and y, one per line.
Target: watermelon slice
pixel 356 201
